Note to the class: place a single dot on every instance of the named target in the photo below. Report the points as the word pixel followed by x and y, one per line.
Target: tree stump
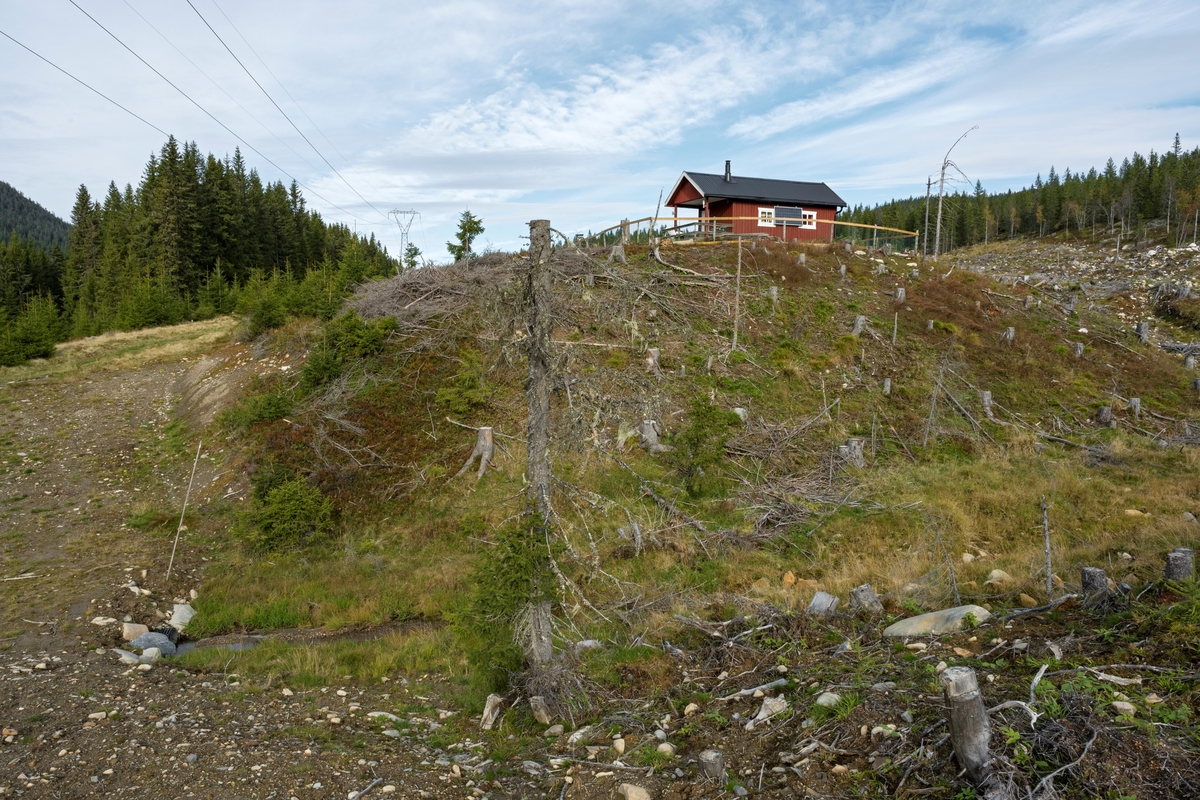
pixel 860 325
pixel 842 271
pixel 485 448
pixel 849 249
pixel 491 710
pixel 801 260
pixel 1077 348
pixel 970 728
pixel 617 254
pixel 1028 301
pixel 1095 585
pixel 1104 417
pixel 915 274
pixel 901 296
pixel 1189 362
pixel 648 435
pixel 1179 564
pixel 1010 335
pixel 1143 332
pixel 652 365
pixel 887 386
pixel 773 293
pixel 822 603
pixel 855 455
pixel 1135 407
pixel 712 765
pixel 541 712
pixel 928 324
pixel 863 598
pixel 986 398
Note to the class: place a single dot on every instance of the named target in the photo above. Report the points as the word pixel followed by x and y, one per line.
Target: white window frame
pixel 766 217
pixel 809 221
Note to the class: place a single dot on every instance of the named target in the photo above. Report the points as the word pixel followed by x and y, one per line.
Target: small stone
pixel 999 577
pixel 631 791
pixel 555 730
pixel 1027 601
pixel 288 693
pixel 335 720
pixel 98 715
pixel 883 731
pixel 666 748
pixel 1133 512
pixel 392 732
pixel 840 769
pixel 883 686
pixel 541 711
pixel 103 620
pixel 191 758
pixel 758 693
pixel 152 639
pixel 131 631
pixel 941 667
pixel 908 717
pixel 388 789
pixel 1152 699
pixel 341 692
pixel 143 667
pixel 967 558
pixel 828 699
pixel 126 656
pixel 194 594
pixel 740 791
pixel 916 647
pixel 618 746
pixel 150 655
pixel 1124 709
pixel 661 735
pixel 963 652
pixel 1058 582
pixel 691 709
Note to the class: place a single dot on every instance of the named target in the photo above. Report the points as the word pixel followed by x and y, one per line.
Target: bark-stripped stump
pixel 1143 332
pixel 1010 335
pixel 1135 407
pixel 1095 585
pixel 860 325
pixel 1028 301
pixel 1180 564
pixel 652 365
pixel 822 603
pixel 617 254
pixel 648 435
pixel 854 449
pixel 485 448
pixel 901 296
pixel 887 386
pixel 712 765
pixel 1104 417
pixel 1189 362
pixel 863 598
pixel 970 729
pixel 1077 348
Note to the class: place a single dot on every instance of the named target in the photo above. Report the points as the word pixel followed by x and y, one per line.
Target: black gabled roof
pixel 763 189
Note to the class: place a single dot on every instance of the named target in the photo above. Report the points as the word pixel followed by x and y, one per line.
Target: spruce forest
pixel 1162 189
pixel 199 236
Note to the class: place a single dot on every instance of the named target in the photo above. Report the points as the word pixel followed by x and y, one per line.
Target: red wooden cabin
pixel 791 210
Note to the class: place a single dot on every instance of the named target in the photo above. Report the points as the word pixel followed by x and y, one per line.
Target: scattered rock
pixel 1027 601
pixel 1124 709
pixel 840 769
pixel 618 746
pixel 771 706
pixel 828 699
pixel 863 598
pixel 935 623
pixel 741 791
pixel 288 692
pixel 103 620
pixel 132 630
pixel 692 708
pixel 998 577
pixel 941 667
pixel 181 616
pixel 152 639
pixel 579 736
pixel 126 656
pixel 98 715
pixel 883 686
pixel 963 652
pixel 1189 516
pixel 916 647
pixel 666 748
pixel 1133 512
pixel 150 655
pixel 555 730
pixel 631 791
pixel 384 715
pixel 883 731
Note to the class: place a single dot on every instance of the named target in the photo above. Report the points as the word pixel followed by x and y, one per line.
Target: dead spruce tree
pixel 533 627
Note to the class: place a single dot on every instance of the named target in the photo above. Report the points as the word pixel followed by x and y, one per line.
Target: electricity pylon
pixel 404 221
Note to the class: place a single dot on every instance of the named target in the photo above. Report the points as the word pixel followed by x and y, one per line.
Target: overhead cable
pixel 81 83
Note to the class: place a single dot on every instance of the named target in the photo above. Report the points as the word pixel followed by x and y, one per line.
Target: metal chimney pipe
pixel 728 174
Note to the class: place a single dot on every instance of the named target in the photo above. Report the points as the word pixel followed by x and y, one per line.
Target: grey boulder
pixel 152 639
pixel 935 623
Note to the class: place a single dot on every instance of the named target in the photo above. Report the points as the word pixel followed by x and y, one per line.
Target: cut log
pixel 491 711
pixel 1180 564
pixel 1143 332
pixel 860 325
pixel 1077 348
pixel 712 765
pixel 541 711
pixel 617 254
pixel 485 448
pixel 970 728
pixel 901 296
pixel 822 603
pixel 1010 335
pixel 863 598
pixel 1095 585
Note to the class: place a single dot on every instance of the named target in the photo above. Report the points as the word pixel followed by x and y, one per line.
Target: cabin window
pixel 766 217
pixel 808 219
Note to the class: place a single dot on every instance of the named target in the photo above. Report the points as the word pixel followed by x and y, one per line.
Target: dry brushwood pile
pixel 762 457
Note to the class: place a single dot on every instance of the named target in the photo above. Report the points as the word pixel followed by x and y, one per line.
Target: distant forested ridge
pixel 1162 189
pixel 21 216
pixel 198 236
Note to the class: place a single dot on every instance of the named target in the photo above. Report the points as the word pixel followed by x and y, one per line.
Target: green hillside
pixel 27 219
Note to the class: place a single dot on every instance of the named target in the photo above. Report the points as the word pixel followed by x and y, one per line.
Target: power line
pixel 81 83
pixel 214 83
pixel 206 111
pixel 281 111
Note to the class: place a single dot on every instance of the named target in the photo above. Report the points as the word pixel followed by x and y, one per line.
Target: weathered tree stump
pixel 617 254
pixel 915 274
pixel 842 271
pixel 901 295
pixel 801 260
pixel 928 324
pixel 1143 332
pixel 652 365
pixel 849 249
pixel 986 398
pixel 1135 407
pixel 541 712
pixel 1028 301
pixel 860 325
pixel 1095 585
pixel 773 293
pixel 1180 564
pixel 863 598
pixel 491 711
pixel 648 435
pixel 1010 335
pixel 822 603
pixel 887 386
pixel 1104 416
pixel 970 728
pixel 855 455
pixel 712 765
pixel 485 448
pixel 1189 362
pixel 1077 349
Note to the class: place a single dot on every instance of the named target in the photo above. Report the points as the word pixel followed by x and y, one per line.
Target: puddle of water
pixel 221 643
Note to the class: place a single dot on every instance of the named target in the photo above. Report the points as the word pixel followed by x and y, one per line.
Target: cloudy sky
pixel 582 112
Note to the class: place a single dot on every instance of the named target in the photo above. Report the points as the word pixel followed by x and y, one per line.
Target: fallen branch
pixel 1053 604
pixel 1033 715
pixel 751 691
pixel 1037 792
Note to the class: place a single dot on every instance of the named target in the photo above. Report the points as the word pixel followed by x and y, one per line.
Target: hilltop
pixel 29 220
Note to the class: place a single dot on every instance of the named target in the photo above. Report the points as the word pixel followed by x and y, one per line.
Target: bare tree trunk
pixel 536 619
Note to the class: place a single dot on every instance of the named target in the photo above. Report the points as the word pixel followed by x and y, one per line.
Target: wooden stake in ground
pixel 485 447
pixel 186 497
pixel 536 619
